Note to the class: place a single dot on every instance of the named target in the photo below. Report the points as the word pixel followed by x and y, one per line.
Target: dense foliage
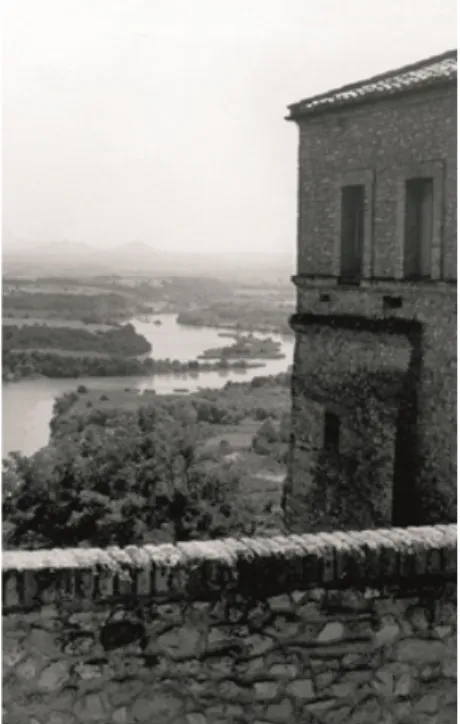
pixel 119 482
pixel 246 347
pixel 19 365
pixel 91 308
pixel 132 476
pixel 122 341
pixel 351 486
pixel 272 439
pixel 260 399
pixel 241 315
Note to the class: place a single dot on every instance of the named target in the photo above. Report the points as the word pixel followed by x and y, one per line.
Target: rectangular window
pixel 352 234
pixel 418 236
pixel 331 431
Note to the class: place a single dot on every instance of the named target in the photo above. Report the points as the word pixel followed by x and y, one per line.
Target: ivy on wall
pixel 352 487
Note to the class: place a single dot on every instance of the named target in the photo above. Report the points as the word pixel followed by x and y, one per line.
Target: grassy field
pixel 275 397
pixel 239 436
pixel 129 400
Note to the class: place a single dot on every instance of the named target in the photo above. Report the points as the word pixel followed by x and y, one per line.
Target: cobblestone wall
pixel 356 627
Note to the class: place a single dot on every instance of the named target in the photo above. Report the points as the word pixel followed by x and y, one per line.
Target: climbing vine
pixel 352 487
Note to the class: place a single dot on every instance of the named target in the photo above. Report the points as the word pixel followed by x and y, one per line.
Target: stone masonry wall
pixel 385 141
pixel 381 145
pixel 326 362
pixel 353 628
pixel 435 427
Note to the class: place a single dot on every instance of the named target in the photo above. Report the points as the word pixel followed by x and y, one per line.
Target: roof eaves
pixel 337 106
pixel 325 102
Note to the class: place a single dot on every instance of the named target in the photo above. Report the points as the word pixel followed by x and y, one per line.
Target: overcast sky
pixel 162 120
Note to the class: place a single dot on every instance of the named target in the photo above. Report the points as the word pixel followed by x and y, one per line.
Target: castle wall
pixel 359 376
pixel 431 436
pixel 380 144
pixel 353 628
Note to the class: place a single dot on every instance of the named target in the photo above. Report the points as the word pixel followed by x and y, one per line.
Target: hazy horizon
pixel 163 123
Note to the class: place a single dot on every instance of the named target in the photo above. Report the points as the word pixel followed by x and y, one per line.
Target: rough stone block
pixel 301 689
pixel 420 651
pixel 334 631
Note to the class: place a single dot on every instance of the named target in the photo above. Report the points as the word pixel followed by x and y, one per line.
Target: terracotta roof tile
pixel 428 72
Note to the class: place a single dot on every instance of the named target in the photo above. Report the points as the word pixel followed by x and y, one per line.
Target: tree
pixel 285 427
pixel 266 438
pixel 112 477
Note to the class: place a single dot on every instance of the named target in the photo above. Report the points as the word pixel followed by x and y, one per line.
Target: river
pixel 27 405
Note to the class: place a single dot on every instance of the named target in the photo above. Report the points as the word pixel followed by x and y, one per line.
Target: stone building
pixel 374 384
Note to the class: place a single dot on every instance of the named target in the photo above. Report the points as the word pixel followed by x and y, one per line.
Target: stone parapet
pixel 335 628
pixel 258 567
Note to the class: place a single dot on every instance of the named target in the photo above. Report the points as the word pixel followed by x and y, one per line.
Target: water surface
pixel 27 405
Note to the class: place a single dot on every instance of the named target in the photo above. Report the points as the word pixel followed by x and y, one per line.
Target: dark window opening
pixel 392 303
pixel 331 431
pixel 418 234
pixel 352 235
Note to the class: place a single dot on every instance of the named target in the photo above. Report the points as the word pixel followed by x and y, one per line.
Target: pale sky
pixel 162 120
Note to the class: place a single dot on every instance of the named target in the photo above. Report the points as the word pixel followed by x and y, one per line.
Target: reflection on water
pixel 27 405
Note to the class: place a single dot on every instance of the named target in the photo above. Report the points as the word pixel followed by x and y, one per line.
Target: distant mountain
pixel 78 259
